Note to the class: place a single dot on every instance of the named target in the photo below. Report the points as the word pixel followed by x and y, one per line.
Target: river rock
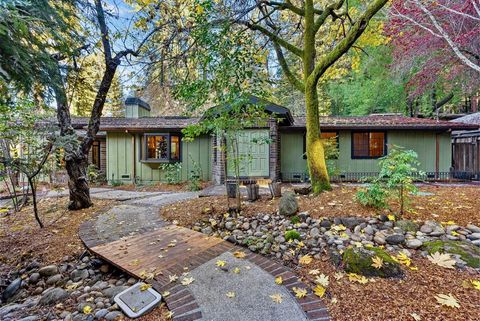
pixel 413 243
pixel 473 228
pixel 11 289
pixel 288 204
pixel 395 239
pixel 48 270
pixel 53 295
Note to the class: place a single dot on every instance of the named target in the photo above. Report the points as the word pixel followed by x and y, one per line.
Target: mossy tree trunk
pixel 314 64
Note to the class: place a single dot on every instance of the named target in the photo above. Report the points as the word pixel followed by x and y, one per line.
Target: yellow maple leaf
pixel 476 284
pixel 277 298
pixel 391 217
pixel 230 294
pixel 413 268
pixel 236 270
pixel 377 262
pixel 305 260
pixel 169 315
pixel 454 233
pixel 173 278
pixel 220 263
pixel 300 292
pixel 279 280
pixel 145 287
pixel 402 258
pixel 322 279
pixel 338 275
pixel 354 277
pixel 239 254
pixel 447 300
pixel 319 291
pixel 165 293
pixel 87 309
pixel 415 317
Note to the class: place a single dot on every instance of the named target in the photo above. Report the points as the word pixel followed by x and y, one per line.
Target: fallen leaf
pixel 334 301
pixel 338 275
pixel 314 272
pixel 236 270
pixel 416 317
pixel 322 279
pixel 277 298
pixel 278 280
pixel 319 291
pixel 377 262
pixel 354 277
pixel 145 287
pixel 230 295
pixel 300 292
pixel 305 260
pixel 87 309
pixel 447 300
pixel 169 315
pixel 165 294
pixel 442 259
pixel 476 284
pixel 187 281
pixel 220 263
pixel 391 217
pixel 239 254
pixel 173 278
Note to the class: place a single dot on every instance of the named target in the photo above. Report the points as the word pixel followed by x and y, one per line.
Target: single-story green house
pixel 133 148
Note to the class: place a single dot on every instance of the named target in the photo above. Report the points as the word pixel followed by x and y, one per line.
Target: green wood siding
pixel 120 155
pixel 423 142
pixel 254 156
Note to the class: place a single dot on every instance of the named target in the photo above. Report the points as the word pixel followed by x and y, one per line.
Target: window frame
pixel 337 134
pixel 385 145
pixel 144 157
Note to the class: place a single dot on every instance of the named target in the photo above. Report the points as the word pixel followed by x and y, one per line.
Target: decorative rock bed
pixel 75 290
pixel 289 238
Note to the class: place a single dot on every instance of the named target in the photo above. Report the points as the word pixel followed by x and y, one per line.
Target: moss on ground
pixel 468 252
pixel 359 260
pixel 407 225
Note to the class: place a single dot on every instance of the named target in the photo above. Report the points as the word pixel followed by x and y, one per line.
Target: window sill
pixel 158 161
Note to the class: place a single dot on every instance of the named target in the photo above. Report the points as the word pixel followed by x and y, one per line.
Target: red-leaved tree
pixel 437 38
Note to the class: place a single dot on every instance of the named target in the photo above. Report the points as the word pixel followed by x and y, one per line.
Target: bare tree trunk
pixel 34 200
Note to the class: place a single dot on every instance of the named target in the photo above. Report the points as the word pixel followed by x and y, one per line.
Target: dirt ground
pixel 397 300
pixel 21 238
pixel 460 204
pixel 379 299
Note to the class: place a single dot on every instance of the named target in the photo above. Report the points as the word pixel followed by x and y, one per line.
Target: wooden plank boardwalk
pixel 157 250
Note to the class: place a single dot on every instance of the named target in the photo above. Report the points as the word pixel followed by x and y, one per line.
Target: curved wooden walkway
pixel 160 251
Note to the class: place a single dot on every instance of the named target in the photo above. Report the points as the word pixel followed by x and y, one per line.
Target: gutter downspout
pixel 134 159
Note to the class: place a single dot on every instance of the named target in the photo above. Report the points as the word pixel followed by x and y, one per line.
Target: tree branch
pixel 355 32
pixel 447 38
pixel 329 11
pixel 288 73
pixel 273 37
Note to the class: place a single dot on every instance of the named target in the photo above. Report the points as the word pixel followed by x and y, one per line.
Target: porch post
pixel 274 150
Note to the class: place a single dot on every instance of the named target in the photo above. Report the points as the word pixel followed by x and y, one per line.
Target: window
pixel 162 147
pixel 368 144
pixel 323 136
pixel 96 154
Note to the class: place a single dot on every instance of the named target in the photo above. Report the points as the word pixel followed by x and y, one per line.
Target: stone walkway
pixel 134 238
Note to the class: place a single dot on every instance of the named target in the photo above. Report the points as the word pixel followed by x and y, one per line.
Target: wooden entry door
pixel 254 154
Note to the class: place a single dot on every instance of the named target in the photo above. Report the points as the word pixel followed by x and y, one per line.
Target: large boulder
pixel 288 204
pixel 468 252
pixel 359 261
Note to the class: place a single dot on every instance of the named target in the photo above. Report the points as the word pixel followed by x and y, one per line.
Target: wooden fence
pixel 466 155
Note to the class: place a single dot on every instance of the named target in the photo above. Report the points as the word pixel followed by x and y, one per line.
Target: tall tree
pixel 311 19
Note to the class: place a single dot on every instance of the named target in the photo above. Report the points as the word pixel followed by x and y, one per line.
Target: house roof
pixel 469 119
pixel 137 124
pixel 382 122
pixel 282 112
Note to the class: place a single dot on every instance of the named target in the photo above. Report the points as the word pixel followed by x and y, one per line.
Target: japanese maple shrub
pixel 395 181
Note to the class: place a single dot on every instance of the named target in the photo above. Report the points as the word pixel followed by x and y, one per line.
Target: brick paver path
pixel 134 238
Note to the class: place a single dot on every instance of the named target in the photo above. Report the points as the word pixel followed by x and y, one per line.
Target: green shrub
pixel 295 219
pixel 292 235
pixel 373 196
pixel 172 172
pixel 395 181
pixel 194 176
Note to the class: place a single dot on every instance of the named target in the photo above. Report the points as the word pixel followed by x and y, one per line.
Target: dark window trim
pixel 144 148
pixel 385 140
pixel 337 133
